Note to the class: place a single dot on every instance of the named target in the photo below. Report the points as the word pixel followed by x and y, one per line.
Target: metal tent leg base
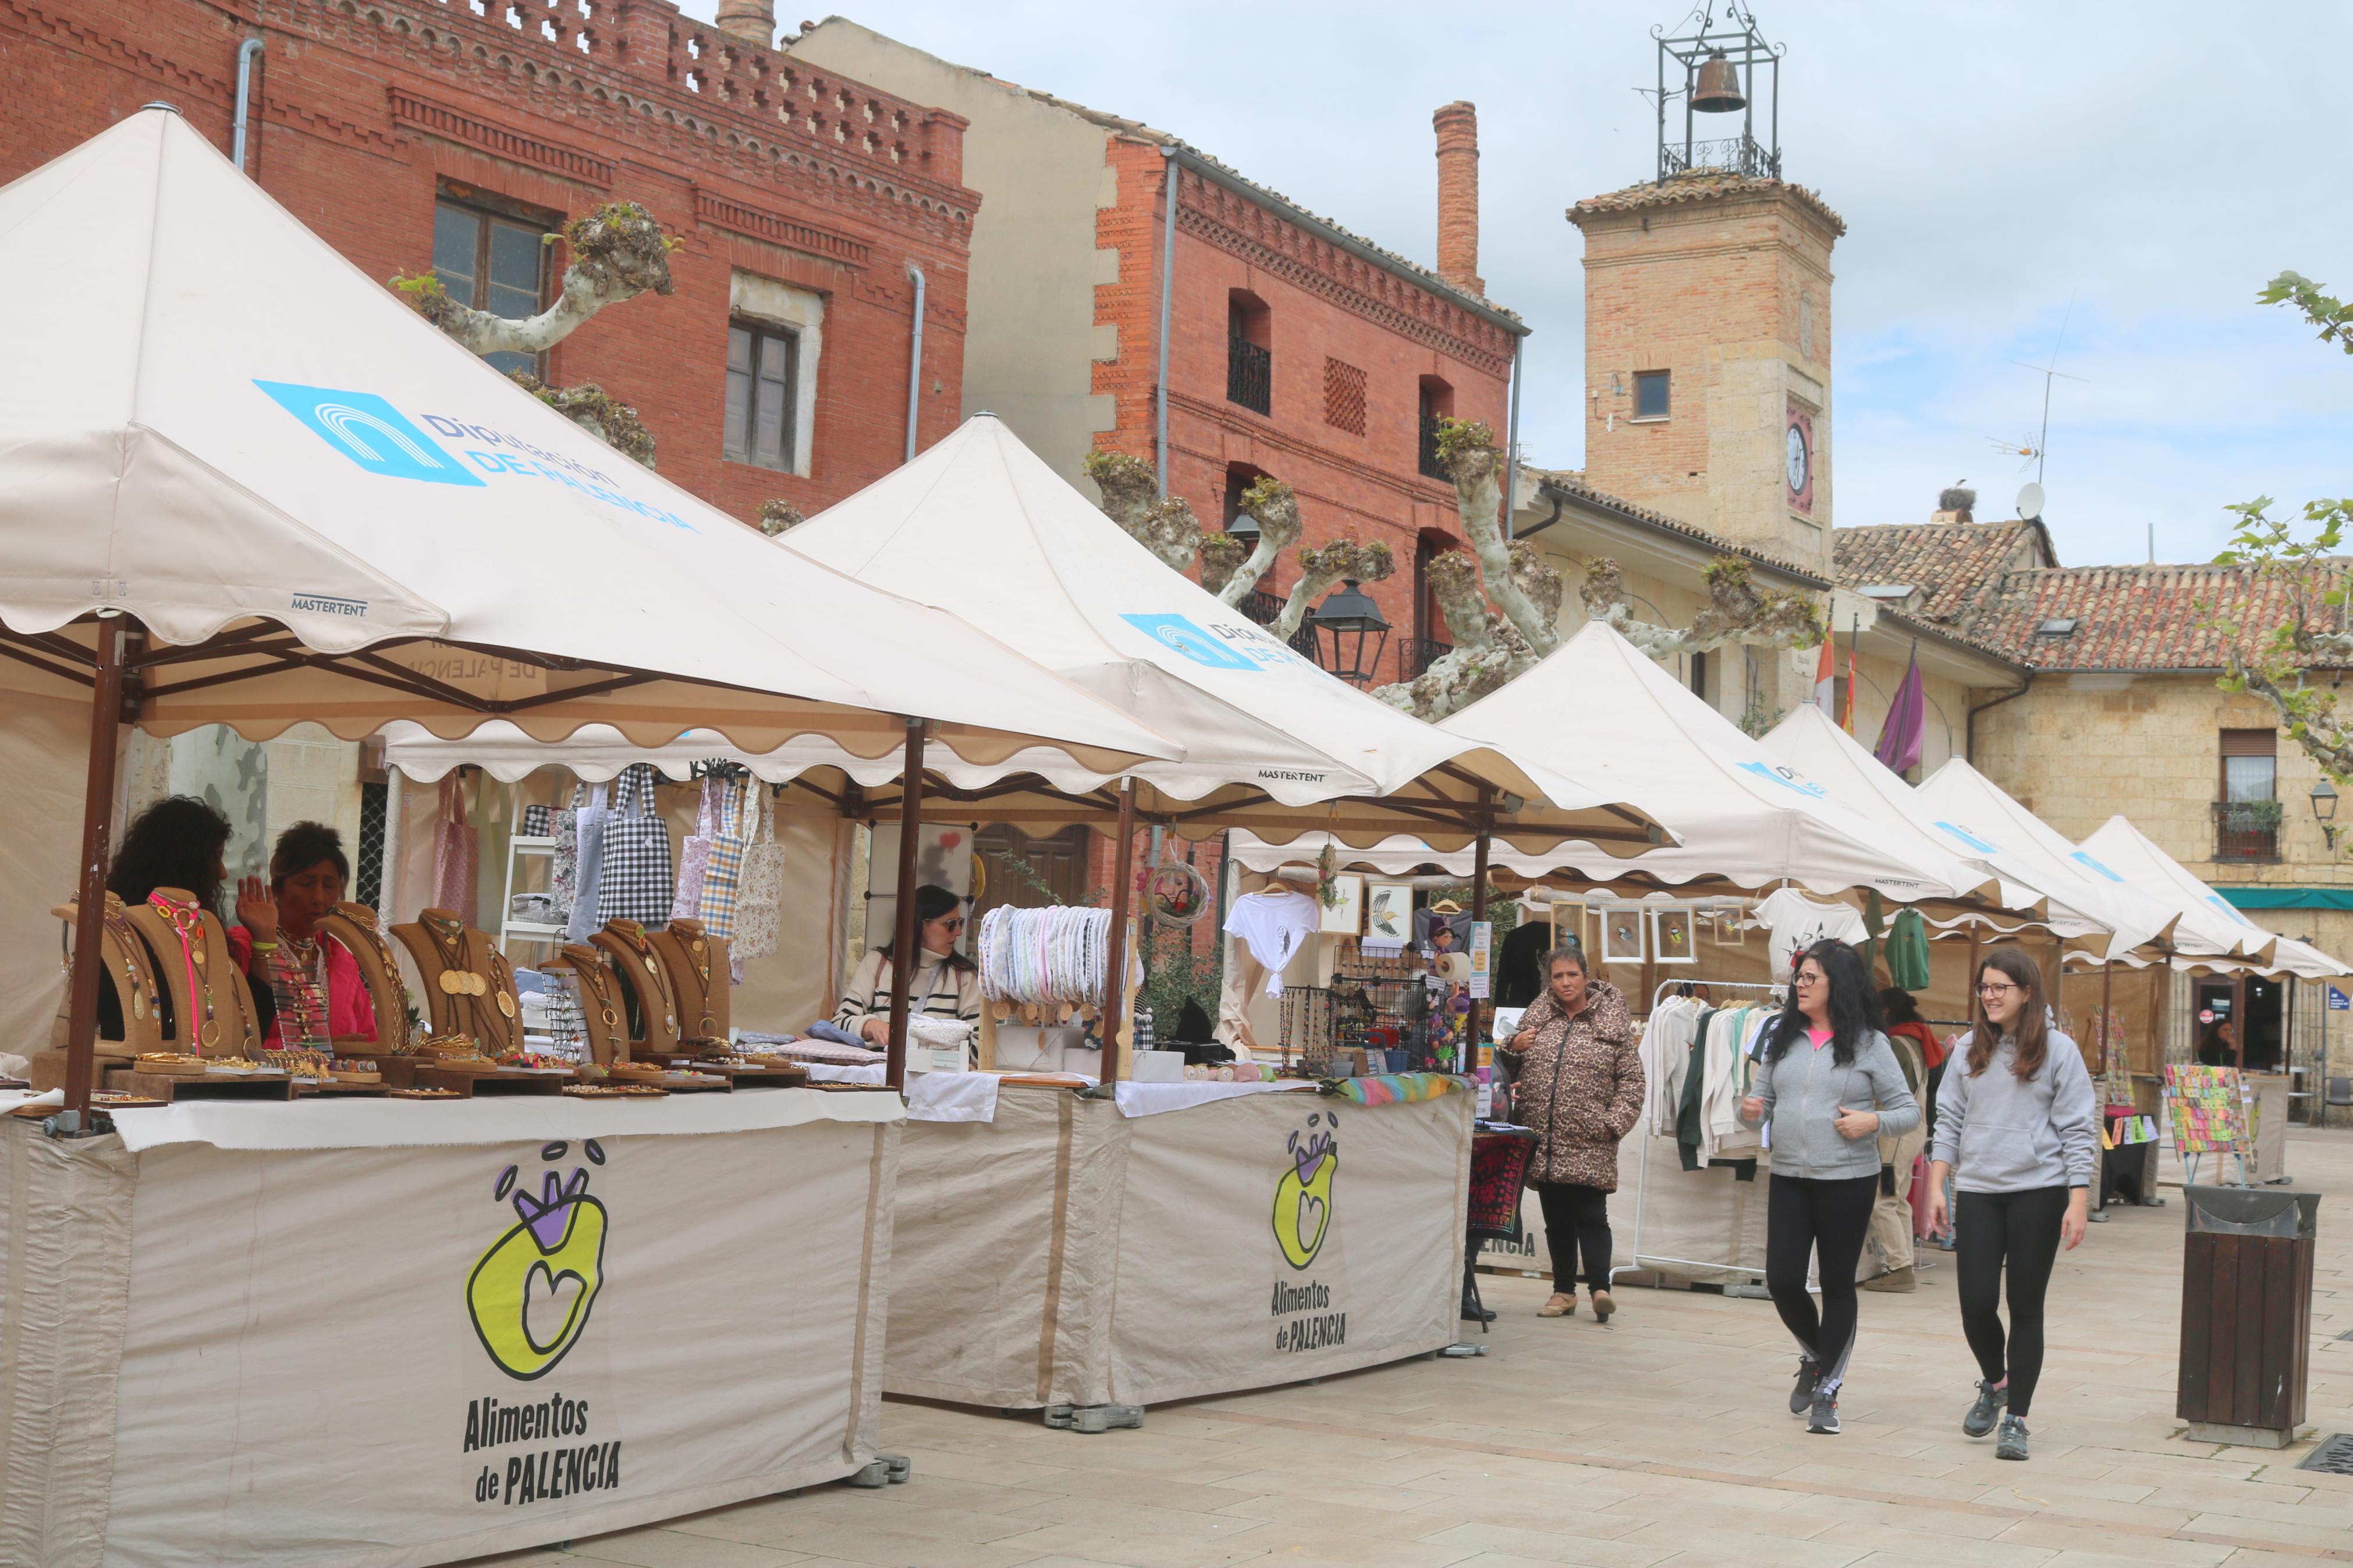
pixel 885 1470
pixel 1463 1350
pixel 1094 1417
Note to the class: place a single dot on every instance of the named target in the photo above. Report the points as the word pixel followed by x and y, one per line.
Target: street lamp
pixel 1355 631
pixel 2324 811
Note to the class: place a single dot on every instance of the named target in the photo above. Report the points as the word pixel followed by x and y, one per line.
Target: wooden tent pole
pixel 89 918
pixel 903 957
pixel 1469 1054
pixel 1116 1017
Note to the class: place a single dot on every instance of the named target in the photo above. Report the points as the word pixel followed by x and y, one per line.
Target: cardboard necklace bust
pixel 216 1018
pixel 602 1015
pixel 640 969
pixel 468 988
pixel 696 963
pixel 355 927
pixel 131 970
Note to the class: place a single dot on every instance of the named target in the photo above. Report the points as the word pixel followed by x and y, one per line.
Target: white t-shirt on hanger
pixel 1796 922
pixel 1275 926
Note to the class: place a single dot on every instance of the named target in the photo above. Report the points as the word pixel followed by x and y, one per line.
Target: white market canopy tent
pixel 2211 924
pixel 2069 902
pixel 1598 708
pixel 1973 809
pixel 330 511
pixel 979 525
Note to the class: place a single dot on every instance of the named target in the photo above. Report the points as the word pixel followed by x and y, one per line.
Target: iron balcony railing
pixel 1428 462
pixel 1734 154
pixel 1266 608
pixel 2246 830
pixel 1249 375
pixel 1428 651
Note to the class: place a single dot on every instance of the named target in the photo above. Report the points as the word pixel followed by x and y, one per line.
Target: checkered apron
pixel 634 882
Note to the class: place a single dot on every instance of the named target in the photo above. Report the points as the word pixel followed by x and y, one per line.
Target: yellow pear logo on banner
pixel 529 1293
pixel 1303 1198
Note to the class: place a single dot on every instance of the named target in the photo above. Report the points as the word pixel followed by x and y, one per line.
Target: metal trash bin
pixel 2246 1313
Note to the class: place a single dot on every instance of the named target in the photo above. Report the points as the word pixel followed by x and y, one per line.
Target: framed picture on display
pixel 1568 920
pixel 1670 936
pixel 1389 914
pixel 1732 928
pixel 1345 915
pixel 1621 934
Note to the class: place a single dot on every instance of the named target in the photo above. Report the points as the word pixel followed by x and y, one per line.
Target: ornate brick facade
pixel 362 113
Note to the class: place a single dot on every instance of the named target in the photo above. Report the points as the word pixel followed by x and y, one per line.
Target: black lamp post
pixel 2324 809
pixel 1351 634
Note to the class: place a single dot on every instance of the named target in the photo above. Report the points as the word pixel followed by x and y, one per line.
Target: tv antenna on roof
pixel 2049 373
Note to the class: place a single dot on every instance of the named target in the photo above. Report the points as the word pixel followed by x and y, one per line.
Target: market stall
pixel 438 1331
pixel 1057 1248
pixel 188 539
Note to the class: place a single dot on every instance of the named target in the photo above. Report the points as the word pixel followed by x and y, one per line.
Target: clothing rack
pixel 1667 988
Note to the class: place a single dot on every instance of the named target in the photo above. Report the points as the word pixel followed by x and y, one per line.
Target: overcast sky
pixel 2152 163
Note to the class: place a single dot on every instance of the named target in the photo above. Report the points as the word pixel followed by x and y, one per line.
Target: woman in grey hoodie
pixel 1829 1086
pixel 2016 1120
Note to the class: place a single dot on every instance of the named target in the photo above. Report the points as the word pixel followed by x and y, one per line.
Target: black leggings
pixel 1805 1216
pixel 1575 1217
pixel 2023 1229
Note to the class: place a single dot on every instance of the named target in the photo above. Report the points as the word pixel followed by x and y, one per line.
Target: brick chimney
pixel 751 20
pixel 1458 196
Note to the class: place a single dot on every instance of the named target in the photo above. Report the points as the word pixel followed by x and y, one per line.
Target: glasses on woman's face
pixel 1995 992
pixel 1804 978
pixel 950 922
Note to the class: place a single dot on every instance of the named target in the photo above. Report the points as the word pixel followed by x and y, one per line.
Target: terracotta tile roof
pixel 1700 185
pixel 2129 617
pixel 1955 565
pixel 1572 482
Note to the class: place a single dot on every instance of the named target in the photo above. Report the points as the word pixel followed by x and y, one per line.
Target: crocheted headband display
pixel 1049 955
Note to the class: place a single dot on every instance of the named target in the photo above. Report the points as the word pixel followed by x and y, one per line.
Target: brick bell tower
pixel 1707 311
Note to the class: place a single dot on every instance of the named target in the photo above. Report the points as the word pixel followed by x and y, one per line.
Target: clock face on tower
pixel 1798 459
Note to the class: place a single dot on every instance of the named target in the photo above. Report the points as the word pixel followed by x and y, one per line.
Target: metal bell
pixel 1718 90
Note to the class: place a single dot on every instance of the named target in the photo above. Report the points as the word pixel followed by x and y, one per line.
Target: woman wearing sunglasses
pixel 1828 1087
pixel 946 983
pixel 2015 1127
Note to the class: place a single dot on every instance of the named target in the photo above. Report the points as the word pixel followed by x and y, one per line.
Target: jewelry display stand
pixel 601 1017
pixel 131 970
pixel 216 1019
pixel 355 927
pixel 468 987
pixel 640 969
pixel 696 966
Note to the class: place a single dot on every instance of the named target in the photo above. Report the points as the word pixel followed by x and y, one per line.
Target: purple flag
pixel 1907 718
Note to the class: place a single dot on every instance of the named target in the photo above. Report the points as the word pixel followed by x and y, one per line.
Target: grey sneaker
pixel 2011 1444
pixel 1802 1397
pixel 1986 1411
pixel 1823 1418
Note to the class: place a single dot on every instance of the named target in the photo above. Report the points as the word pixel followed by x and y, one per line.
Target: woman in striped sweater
pixel 946 983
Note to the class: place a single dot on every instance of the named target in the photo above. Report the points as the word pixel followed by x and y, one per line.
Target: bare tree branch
pixel 1270 503
pixel 1221 557
pixel 778 516
pixel 587 405
pixel 1132 499
pixel 1737 611
pixel 619 252
pixel 1319 569
pixel 1467 452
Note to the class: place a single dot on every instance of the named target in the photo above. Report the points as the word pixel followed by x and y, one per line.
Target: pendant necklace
pixel 117 926
pixel 188 924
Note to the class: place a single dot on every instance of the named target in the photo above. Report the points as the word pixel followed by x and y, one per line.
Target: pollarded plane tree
pixel 1500 599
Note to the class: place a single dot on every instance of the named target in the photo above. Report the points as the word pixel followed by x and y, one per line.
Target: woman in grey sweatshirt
pixel 1828 1087
pixel 2016 1122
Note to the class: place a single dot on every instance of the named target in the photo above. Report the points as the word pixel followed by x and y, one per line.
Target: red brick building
pixel 1295 348
pixel 451 133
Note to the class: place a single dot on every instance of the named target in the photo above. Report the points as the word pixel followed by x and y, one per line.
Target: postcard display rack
pixel 517 1378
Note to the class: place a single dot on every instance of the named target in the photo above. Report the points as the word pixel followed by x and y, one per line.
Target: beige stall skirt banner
pixel 1065 1253
pixel 375 1357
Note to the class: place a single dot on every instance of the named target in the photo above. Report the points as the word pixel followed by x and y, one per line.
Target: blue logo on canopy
pixel 2095 866
pixel 370 432
pixel 1787 780
pixel 1971 839
pixel 1176 632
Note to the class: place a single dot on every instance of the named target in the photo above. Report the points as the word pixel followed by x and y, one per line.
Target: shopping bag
pixel 590 809
pixel 634 881
pixel 759 888
pixel 722 882
pixel 457 852
pixel 694 855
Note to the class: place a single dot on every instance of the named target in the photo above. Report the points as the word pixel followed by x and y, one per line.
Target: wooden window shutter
pixel 2251 742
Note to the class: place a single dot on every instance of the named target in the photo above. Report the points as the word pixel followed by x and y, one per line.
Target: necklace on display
pixel 188 924
pixel 699 955
pixel 298 972
pixel 634 935
pixel 118 925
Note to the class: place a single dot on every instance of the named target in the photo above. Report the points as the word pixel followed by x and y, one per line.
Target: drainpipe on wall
pixel 246 53
pixel 915 360
pixel 1168 279
pixel 1511 448
pixel 1970 737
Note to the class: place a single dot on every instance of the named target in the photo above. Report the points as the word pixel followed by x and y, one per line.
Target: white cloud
pixel 2155 163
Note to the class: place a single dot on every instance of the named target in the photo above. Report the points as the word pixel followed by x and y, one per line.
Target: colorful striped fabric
pixel 1398 1088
